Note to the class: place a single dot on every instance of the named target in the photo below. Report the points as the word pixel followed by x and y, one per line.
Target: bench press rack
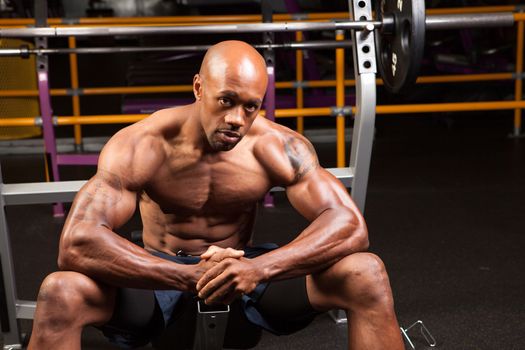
pixel 355 176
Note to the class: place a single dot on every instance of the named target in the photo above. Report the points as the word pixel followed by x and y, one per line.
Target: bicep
pixel 318 191
pixel 104 200
pixel 124 165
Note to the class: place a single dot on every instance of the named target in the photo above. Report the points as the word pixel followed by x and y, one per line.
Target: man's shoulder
pixel 149 132
pixel 269 132
pixel 281 150
pixel 173 116
pixel 138 150
pixel 132 138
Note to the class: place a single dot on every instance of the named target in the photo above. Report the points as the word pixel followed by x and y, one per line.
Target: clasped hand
pixel 228 275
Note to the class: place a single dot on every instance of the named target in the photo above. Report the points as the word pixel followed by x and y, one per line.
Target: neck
pixel 194 132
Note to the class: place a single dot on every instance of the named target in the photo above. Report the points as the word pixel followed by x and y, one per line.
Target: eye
pixel 251 107
pixel 224 101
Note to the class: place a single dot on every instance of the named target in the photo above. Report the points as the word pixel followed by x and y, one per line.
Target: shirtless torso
pixel 195 200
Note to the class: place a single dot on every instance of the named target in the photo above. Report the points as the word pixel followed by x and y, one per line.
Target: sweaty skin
pixel 197 173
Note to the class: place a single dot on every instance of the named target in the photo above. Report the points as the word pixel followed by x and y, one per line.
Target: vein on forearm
pixel 324 242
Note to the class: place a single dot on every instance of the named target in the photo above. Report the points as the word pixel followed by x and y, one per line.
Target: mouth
pixel 229 136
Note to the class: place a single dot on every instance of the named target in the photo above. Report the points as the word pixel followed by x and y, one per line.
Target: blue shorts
pixel 288 314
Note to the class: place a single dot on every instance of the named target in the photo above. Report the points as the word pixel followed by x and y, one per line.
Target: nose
pixel 235 117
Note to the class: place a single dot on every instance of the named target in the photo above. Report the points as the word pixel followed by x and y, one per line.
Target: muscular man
pixel 198 172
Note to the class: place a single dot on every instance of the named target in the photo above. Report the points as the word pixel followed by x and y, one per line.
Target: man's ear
pixel 197 87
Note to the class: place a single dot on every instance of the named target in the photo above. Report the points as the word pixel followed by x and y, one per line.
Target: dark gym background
pixel 445 205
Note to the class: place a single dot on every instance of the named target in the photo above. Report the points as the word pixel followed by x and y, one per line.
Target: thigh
pixel 135 309
pixel 285 305
pixel 136 318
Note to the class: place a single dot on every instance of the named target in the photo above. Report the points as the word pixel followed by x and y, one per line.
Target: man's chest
pixel 222 184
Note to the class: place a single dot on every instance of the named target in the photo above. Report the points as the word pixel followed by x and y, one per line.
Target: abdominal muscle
pixel 193 234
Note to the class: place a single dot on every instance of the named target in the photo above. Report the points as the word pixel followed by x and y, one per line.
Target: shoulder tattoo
pixel 302 156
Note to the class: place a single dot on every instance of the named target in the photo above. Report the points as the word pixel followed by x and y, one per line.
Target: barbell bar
pixel 399 38
pixel 463 21
pixel 200 29
pixel 25 51
pixel 434 22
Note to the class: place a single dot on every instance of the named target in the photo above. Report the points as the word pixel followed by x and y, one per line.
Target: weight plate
pixel 400 42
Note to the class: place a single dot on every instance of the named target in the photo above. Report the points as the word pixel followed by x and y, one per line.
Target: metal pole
pixel 232 18
pixel 269 57
pixel 162 20
pixel 47 122
pixel 278 85
pixel 450 107
pixel 73 74
pixel 478 20
pixel 203 29
pixel 518 85
pixel 363 135
pixel 287 112
pixel 318 44
pixel 45 100
pixel 340 100
pixel 433 22
pixel 8 294
pixel 364 124
pixel 299 98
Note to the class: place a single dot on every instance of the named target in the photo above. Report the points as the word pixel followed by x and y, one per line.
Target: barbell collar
pixel 24 51
pixel 388 22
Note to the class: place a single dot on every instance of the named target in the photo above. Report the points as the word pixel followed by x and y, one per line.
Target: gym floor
pixel 445 212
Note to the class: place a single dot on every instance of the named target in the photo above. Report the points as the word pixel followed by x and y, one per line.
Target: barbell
pixel 399 27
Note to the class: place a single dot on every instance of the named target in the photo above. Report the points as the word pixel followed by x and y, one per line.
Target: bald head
pixel 229 92
pixel 234 59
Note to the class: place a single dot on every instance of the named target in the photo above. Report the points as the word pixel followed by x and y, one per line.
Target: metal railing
pixel 76 119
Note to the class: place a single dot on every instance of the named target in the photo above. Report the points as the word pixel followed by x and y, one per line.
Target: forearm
pixel 107 257
pixel 329 238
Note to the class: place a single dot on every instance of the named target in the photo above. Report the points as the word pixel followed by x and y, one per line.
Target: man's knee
pixel 62 289
pixel 366 277
pixel 57 302
pixel 66 297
